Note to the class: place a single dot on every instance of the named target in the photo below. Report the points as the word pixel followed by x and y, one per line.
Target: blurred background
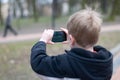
pixel 30 17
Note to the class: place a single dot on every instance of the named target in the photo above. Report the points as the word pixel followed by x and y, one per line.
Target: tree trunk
pixel 115 9
pixel 72 3
pixel 35 13
pixel 1 18
pixel 53 14
pixel 104 6
pixel 85 3
pixel 14 9
pixel 21 8
pixel 89 3
pixel 30 8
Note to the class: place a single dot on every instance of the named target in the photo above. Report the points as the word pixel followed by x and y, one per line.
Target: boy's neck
pixel 88 49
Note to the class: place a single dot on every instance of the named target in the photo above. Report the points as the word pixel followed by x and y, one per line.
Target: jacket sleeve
pixel 43 64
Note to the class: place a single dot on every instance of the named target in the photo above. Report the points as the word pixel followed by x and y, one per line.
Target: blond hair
pixel 84 26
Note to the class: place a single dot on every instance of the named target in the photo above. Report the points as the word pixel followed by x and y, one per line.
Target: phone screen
pixel 59 36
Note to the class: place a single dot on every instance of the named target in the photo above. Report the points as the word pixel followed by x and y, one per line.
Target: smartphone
pixel 59 36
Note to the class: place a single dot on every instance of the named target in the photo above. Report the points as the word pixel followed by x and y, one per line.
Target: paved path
pixel 109 28
pixel 21 37
pixel 116 74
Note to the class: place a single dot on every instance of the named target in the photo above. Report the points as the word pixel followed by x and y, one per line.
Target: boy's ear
pixel 72 40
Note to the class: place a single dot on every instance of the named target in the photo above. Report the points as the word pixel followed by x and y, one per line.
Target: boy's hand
pixel 66 31
pixel 47 36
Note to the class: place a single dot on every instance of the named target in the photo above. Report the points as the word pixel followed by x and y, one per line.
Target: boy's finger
pixel 50 42
pixel 65 42
pixel 65 30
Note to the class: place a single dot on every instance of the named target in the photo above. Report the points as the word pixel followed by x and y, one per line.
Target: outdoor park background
pixel 31 17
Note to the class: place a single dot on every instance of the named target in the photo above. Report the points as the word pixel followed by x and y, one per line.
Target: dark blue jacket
pixel 8 20
pixel 76 63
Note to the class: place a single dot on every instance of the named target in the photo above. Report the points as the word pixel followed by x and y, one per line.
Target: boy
pixel 84 61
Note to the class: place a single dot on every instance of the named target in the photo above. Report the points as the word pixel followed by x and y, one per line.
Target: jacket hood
pixel 100 54
pixel 98 66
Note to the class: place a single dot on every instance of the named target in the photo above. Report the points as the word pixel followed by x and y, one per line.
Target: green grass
pixel 110 39
pixel 26 22
pixel 42 20
pixel 29 22
pixel 14 60
pixel 15 57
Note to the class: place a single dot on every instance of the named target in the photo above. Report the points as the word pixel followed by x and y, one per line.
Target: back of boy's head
pixel 84 26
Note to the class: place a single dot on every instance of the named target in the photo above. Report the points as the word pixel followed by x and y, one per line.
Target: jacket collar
pixel 101 53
